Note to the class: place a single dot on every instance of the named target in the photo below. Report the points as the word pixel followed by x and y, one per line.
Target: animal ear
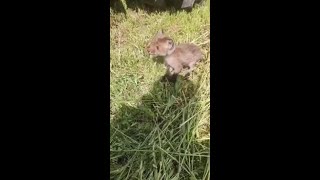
pixel 171 43
pixel 160 33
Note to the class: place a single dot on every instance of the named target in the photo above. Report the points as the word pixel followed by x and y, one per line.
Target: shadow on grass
pixel 130 126
pixel 172 6
pixel 159 60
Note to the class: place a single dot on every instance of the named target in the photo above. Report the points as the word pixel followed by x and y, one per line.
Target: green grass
pixel 158 130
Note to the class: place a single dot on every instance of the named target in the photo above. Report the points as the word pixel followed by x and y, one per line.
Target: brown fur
pixel 176 56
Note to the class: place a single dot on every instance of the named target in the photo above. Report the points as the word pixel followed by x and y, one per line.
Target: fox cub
pixel 176 57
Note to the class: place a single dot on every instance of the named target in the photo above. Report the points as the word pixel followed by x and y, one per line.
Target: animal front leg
pixel 169 73
pixel 172 73
pixel 170 70
pixel 191 68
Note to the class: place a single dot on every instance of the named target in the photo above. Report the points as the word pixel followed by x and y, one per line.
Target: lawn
pixel 158 130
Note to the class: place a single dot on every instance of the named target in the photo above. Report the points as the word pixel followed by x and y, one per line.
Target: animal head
pixel 160 45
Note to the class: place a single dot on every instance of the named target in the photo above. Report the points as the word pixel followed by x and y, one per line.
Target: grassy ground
pixel 158 130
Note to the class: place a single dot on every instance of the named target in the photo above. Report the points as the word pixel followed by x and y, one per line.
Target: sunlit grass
pixel 158 131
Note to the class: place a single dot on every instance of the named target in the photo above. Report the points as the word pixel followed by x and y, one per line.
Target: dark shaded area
pixel 138 121
pixel 151 6
pixel 159 60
